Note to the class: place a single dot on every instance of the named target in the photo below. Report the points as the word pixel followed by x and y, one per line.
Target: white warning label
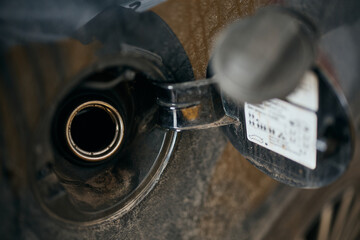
pixel 283 128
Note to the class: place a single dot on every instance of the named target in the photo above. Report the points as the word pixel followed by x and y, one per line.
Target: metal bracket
pixel 191 105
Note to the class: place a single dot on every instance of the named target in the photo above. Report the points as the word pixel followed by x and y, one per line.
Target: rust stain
pixel 25 80
pixel 16 153
pixel 114 182
pixel 36 76
pixel 197 23
pixel 236 189
pixel 191 113
pixel 48 71
pixel 76 56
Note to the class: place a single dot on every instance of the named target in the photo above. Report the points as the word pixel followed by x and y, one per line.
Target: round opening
pixel 94 130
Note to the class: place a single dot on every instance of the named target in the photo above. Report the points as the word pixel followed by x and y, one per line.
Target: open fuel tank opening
pixel 98 134
pixel 105 158
pixel 115 68
pixel 93 122
pixel 94 130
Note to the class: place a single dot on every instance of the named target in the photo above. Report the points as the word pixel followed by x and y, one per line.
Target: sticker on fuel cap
pixel 288 128
pixel 283 128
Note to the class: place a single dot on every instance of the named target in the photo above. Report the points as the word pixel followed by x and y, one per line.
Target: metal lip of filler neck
pixel 110 149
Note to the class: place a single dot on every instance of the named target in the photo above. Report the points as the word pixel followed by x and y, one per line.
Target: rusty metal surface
pixel 208 190
pixel 299 216
pixel 197 23
pixel 168 212
pixel 227 190
pixel 240 201
pixel 236 187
